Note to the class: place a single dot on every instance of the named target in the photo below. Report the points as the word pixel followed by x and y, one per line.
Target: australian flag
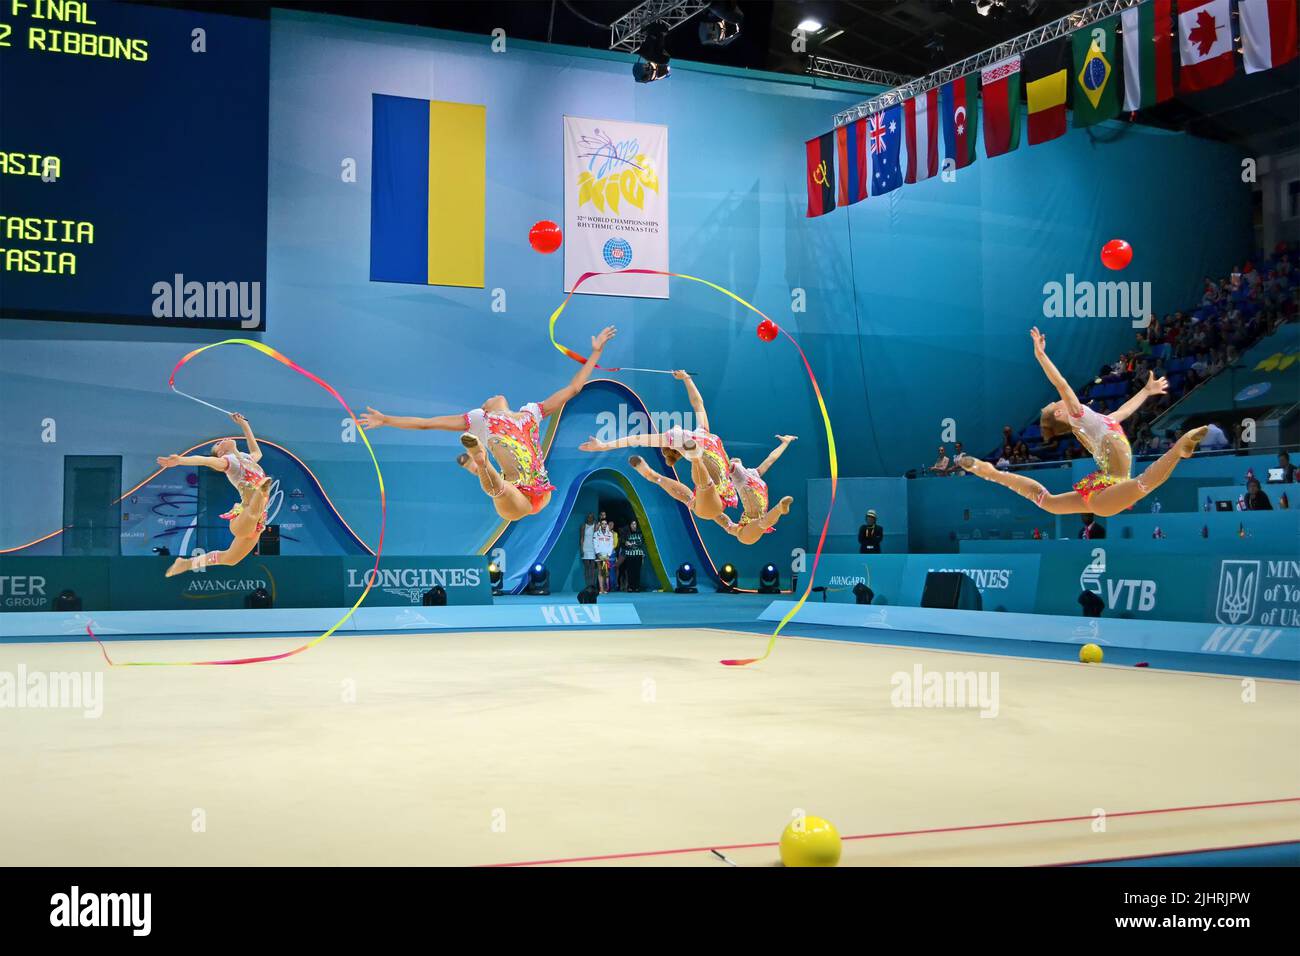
pixel 885 140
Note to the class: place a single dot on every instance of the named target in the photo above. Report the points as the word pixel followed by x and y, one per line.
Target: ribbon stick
pixel 821 404
pixel 371 577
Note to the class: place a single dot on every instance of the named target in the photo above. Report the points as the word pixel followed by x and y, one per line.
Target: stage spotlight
pixel 723 25
pixel 686 580
pixel 810 25
pixel 436 596
pixel 727 579
pixel 862 594
pixel 769 580
pixel 496 579
pixel 67 601
pixel 653 55
pixel 539 580
pixel 588 594
pixel 982 7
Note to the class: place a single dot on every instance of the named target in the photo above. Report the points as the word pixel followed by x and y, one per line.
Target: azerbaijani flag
pixel 959 110
pixel 428 191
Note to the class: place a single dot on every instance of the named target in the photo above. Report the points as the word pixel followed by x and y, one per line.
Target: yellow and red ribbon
pixel 383 513
pixel 821 404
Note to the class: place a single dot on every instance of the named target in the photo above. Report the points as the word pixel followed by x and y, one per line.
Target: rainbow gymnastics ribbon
pixel 821 404
pixel 383 513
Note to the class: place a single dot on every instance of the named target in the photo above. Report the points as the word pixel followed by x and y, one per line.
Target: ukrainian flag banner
pixel 428 191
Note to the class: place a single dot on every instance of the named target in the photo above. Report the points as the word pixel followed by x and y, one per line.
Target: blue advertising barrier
pixel 1267 643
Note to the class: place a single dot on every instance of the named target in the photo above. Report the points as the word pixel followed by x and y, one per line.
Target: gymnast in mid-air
pixel 756 519
pixel 713 474
pixel 517 483
pixel 248 518
pixel 1110 489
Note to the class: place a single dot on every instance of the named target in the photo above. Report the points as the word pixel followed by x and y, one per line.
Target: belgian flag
pixel 821 174
pixel 1047 84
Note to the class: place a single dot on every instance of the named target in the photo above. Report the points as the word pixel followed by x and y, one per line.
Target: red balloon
pixel 545 236
pixel 1116 254
pixel 768 330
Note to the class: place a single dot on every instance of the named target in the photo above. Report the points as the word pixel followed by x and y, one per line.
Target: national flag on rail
pixel 1268 33
pixel 1204 44
pixel 921 122
pixel 821 174
pixel 1000 83
pixel 428 194
pixel 1148 54
pixel 959 112
pixel 1096 81
pixel 1047 85
pixel 885 139
pixel 851 164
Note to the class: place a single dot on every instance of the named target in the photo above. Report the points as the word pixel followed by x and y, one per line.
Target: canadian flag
pixel 1204 44
pixel 1268 33
pixel 921 124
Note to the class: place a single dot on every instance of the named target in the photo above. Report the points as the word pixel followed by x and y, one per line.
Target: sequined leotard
pixel 520 438
pixel 1106 442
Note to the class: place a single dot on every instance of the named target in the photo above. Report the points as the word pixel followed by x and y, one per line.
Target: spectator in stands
pixel 870 535
pixel 1288 469
pixel 1004 457
pixel 1256 500
pixel 1020 455
pixel 957 452
pixel 942 463
pixel 1008 436
pixel 1092 529
pixel 587 548
pixel 1214 439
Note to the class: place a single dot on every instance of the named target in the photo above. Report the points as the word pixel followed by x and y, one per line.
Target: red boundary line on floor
pixel 877 836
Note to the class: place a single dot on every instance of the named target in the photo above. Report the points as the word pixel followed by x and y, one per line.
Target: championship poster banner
pixel 615 205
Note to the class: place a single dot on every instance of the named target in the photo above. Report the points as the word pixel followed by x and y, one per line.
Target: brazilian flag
pixel 1097 56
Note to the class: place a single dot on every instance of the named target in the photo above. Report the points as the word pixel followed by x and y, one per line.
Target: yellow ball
pixel 1090 654
pixel 810 841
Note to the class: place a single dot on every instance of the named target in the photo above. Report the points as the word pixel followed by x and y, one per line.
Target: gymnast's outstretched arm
pixel 697 402
pixel 1054 376
pixel 254 452
pixel 206 461
pixel 777 452
pixel 1154 386
pixel 554 402
pixel 656 440
pixel 447 423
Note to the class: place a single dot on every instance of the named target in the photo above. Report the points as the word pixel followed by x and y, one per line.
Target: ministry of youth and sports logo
pixel 1238 596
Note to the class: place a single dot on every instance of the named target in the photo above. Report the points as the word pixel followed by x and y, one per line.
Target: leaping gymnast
pixel 248 518
pixel 756 518
pixel 711 470
pixel 517 484
pixel 1110 489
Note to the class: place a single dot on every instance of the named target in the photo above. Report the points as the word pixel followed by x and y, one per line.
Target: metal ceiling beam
pixel 627 32
pixel 1026 41
pixel 823 66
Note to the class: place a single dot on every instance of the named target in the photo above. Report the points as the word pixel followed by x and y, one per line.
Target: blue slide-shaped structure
pixel 671 535
pixel 178 508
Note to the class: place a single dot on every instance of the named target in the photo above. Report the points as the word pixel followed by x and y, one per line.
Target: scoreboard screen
pixel 133 164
